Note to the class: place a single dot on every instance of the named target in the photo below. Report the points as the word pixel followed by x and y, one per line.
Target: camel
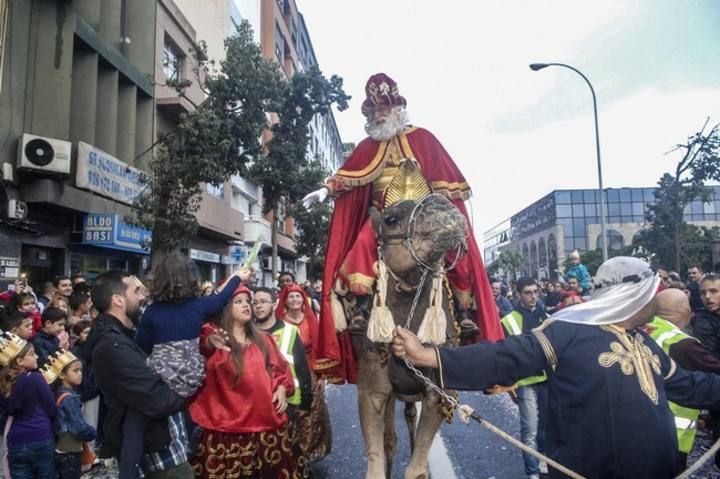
pixel 412 236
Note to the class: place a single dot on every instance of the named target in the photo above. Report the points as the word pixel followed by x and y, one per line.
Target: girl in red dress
pixel 241 406
pixel 314 431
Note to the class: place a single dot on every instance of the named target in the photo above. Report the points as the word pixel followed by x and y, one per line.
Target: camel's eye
pixel 390 220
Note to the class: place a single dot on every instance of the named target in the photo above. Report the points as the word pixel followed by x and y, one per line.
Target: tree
pixel 312 225
pixel 211 143
pixel 696 244
pixel 286 174
pixel 699 163
pixel 508 262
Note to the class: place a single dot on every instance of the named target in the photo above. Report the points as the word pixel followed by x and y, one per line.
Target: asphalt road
pixel 459 452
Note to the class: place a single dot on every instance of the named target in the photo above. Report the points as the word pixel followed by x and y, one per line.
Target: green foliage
pixel 312 224
pixel 676 243
pixel 508 262
pixel 286 172
pixel 696 244
pixel 211 143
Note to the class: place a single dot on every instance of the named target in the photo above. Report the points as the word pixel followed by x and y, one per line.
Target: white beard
pixel 390 128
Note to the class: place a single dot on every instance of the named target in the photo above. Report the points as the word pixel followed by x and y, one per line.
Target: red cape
pixel 334 357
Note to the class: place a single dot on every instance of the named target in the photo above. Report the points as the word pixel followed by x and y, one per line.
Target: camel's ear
pixel 376 218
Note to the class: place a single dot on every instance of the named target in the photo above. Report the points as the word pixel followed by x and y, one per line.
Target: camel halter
pixel 406 238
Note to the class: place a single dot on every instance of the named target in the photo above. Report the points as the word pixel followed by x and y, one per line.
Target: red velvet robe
pixel 334 357
pixel 221 405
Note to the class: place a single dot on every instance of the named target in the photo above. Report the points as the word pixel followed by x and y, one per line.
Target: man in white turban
pixel 608 382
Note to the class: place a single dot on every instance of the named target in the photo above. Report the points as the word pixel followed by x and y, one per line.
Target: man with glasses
pixel 531 395
pixel 287 337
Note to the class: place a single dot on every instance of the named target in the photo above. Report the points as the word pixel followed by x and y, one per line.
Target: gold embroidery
pixel 634 357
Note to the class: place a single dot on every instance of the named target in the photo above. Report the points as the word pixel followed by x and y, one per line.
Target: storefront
pixel 110 243
pixel 209 264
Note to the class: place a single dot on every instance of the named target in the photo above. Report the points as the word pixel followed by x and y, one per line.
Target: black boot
pixel 359 322
pixel 468 327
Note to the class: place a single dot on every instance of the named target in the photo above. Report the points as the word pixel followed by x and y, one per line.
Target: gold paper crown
pixel 56 363
pixel 10 347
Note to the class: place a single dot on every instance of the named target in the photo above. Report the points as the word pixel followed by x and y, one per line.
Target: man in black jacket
pixel 706 329
pixel 127 382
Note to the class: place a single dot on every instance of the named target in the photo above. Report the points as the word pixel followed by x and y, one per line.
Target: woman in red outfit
pixel 241 406
pixel 314 433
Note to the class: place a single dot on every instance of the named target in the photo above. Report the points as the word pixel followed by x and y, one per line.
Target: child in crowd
pixel 46 341
pixel 89 392
pixel 80 304
pixel 65 372
pixel 26 303
pixel 61 302
pixel 26 399
pixel 18 323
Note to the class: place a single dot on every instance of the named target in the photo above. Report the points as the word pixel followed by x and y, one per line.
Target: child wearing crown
pixel 28 403
pixel 65 372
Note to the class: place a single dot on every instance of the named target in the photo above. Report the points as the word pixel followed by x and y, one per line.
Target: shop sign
pixel 107 176
pixel 109 231
pixel 237 254
pixel 206 256
pixel 9 267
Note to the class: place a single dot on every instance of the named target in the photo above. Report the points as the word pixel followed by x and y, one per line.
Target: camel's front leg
pixel 374 397
pixel 430 420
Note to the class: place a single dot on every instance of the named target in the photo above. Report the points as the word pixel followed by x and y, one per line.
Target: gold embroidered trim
pixel 361 279
pixel 549 351
pixel 673 369
pixel 634 357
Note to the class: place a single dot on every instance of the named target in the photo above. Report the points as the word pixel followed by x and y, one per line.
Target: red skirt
pixel 255 455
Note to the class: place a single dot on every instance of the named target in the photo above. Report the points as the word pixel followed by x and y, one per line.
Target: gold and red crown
pixel 56 363
pixel 10 347
pixel 381 90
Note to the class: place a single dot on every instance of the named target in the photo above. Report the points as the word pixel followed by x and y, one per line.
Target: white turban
pixel 623 285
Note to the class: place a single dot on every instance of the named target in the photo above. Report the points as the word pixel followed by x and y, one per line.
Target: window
pixel 613 196
pixel 577 196
pixel 637 194
pixel 590 196
pixel 218 191
pixel 279 43
pixel 562 197
pixel 172 60
pixel 625 195
pixel 615 240
pixel 564 211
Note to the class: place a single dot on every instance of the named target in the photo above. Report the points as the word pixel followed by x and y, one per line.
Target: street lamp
pixel 539 66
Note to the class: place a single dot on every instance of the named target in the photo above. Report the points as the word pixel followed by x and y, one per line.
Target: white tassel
pixel 337 308
pixel 434 323
pixel 381 324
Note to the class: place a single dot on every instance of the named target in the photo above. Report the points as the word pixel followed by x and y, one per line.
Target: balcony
pixel 216 215
pixel 255 226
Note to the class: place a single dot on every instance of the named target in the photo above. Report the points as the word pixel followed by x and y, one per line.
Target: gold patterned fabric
pixel 634 357
pixel 407 184
pixel 248 455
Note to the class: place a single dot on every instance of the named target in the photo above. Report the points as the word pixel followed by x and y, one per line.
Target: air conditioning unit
pixel 17 210
pixel 45 155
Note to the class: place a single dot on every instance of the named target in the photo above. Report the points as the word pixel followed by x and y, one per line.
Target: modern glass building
pixel 565 220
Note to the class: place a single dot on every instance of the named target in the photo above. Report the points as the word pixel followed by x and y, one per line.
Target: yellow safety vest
pixel 285 337
pixel 665 335
pixel 513 324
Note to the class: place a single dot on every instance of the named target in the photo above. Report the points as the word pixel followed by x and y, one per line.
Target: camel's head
pixel 432 229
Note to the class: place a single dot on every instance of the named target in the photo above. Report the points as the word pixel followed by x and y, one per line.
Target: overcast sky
pixel 517 134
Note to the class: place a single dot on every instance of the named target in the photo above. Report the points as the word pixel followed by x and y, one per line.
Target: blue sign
pixel 109 231
pixel 237 254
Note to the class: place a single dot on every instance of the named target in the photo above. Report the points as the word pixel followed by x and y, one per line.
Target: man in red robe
pixel 351 254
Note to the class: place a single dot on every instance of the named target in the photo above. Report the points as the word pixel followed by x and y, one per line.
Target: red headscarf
pixel 309 325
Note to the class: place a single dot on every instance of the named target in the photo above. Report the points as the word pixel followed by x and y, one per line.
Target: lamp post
pixel 539 66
